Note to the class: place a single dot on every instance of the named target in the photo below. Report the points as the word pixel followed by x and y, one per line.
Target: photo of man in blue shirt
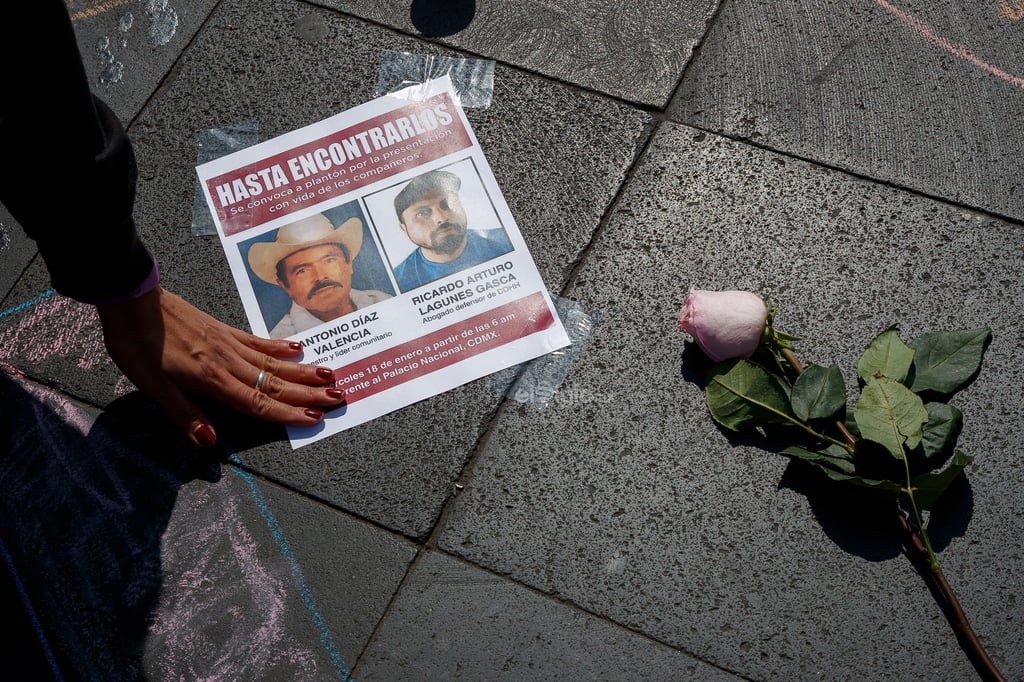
pixel 431 214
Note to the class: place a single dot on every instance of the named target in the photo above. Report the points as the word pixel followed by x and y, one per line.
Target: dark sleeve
pixel 67 170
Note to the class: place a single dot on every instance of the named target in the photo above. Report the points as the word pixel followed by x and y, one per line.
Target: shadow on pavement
pixel 858 520
pixel 440 18
pixel 84 503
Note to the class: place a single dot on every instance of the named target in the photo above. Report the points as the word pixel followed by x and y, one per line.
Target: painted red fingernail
pixel 204 435
pixel 335 393
pixel 314 414
pixel 324 373
pixel 295 345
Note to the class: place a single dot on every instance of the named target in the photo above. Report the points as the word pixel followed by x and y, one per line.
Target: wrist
pixel 151 282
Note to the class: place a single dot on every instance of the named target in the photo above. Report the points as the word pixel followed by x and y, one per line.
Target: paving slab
pixel 623 498
pixel 398 470
pixel 455 621
pixel 138 557
pixel 558 154
pixel 633 51
pixel 263 583
pixel 925 95
pixel 57 340
pixel 128 47
pixel 615 534
pixel 16 251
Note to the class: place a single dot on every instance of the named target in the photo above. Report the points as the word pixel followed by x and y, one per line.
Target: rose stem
pixel 982 663
pixel 799 369
pixel 963 628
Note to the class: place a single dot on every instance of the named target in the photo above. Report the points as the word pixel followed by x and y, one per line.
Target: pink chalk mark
pixel 59 327
pixel 56 327
pixel 11 370
pixel 63 409
pixel 226 616
pixel 955 49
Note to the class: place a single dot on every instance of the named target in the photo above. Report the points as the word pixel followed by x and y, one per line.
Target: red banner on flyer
pixel 336 164
pixel 444 347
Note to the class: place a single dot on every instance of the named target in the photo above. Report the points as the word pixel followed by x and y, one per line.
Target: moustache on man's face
pixel 323 284
pixel 447 226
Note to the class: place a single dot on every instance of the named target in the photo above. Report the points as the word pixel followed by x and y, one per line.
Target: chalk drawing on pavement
pixel 955 49
pixel 225 617
pixel 1011 9
pixel 135 560
pixel 52 326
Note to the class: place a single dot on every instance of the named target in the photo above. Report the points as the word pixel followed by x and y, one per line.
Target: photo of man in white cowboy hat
pixel 311 261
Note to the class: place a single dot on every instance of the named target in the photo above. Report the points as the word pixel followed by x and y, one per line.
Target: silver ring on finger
pixel 260 379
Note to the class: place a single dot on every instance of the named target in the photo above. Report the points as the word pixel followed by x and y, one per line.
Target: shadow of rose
pixel 861 521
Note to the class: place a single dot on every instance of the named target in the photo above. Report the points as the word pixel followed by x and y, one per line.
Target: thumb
pixel 191 420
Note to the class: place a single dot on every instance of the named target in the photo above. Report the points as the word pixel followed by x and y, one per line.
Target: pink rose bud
pixel 725 324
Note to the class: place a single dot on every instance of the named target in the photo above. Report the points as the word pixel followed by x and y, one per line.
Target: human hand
pixel 169 349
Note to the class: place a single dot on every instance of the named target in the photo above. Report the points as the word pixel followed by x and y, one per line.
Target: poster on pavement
pixel 379 239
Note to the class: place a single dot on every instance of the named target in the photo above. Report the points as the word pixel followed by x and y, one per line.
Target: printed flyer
pixel 379 240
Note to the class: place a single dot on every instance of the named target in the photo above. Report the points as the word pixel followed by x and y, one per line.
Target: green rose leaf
pixel 886 356
pixel 819 392
pixel 885 485
pixel 874 484
pixel 890 414
pixel 942 429
pixel 833 458
pixel 928 488
pixel 946 361
pixel 741 394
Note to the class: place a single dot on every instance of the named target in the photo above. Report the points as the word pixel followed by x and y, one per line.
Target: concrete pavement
pixel 857 159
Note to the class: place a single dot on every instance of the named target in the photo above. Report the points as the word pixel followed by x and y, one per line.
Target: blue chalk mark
pixel 28 304
pixel 36 626
pixel 341 670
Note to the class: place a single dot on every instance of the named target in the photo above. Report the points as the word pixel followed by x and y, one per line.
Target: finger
pixel 242 396
pixel 264 354
pixel 298 373
pixel 231 375
pixel 252 362
pixel 185 413
pixel 201 433
pixel 275 347
pixel 292 393
pixel 263 406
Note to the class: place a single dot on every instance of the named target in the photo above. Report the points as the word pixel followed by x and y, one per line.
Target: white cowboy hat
pixel 302 234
